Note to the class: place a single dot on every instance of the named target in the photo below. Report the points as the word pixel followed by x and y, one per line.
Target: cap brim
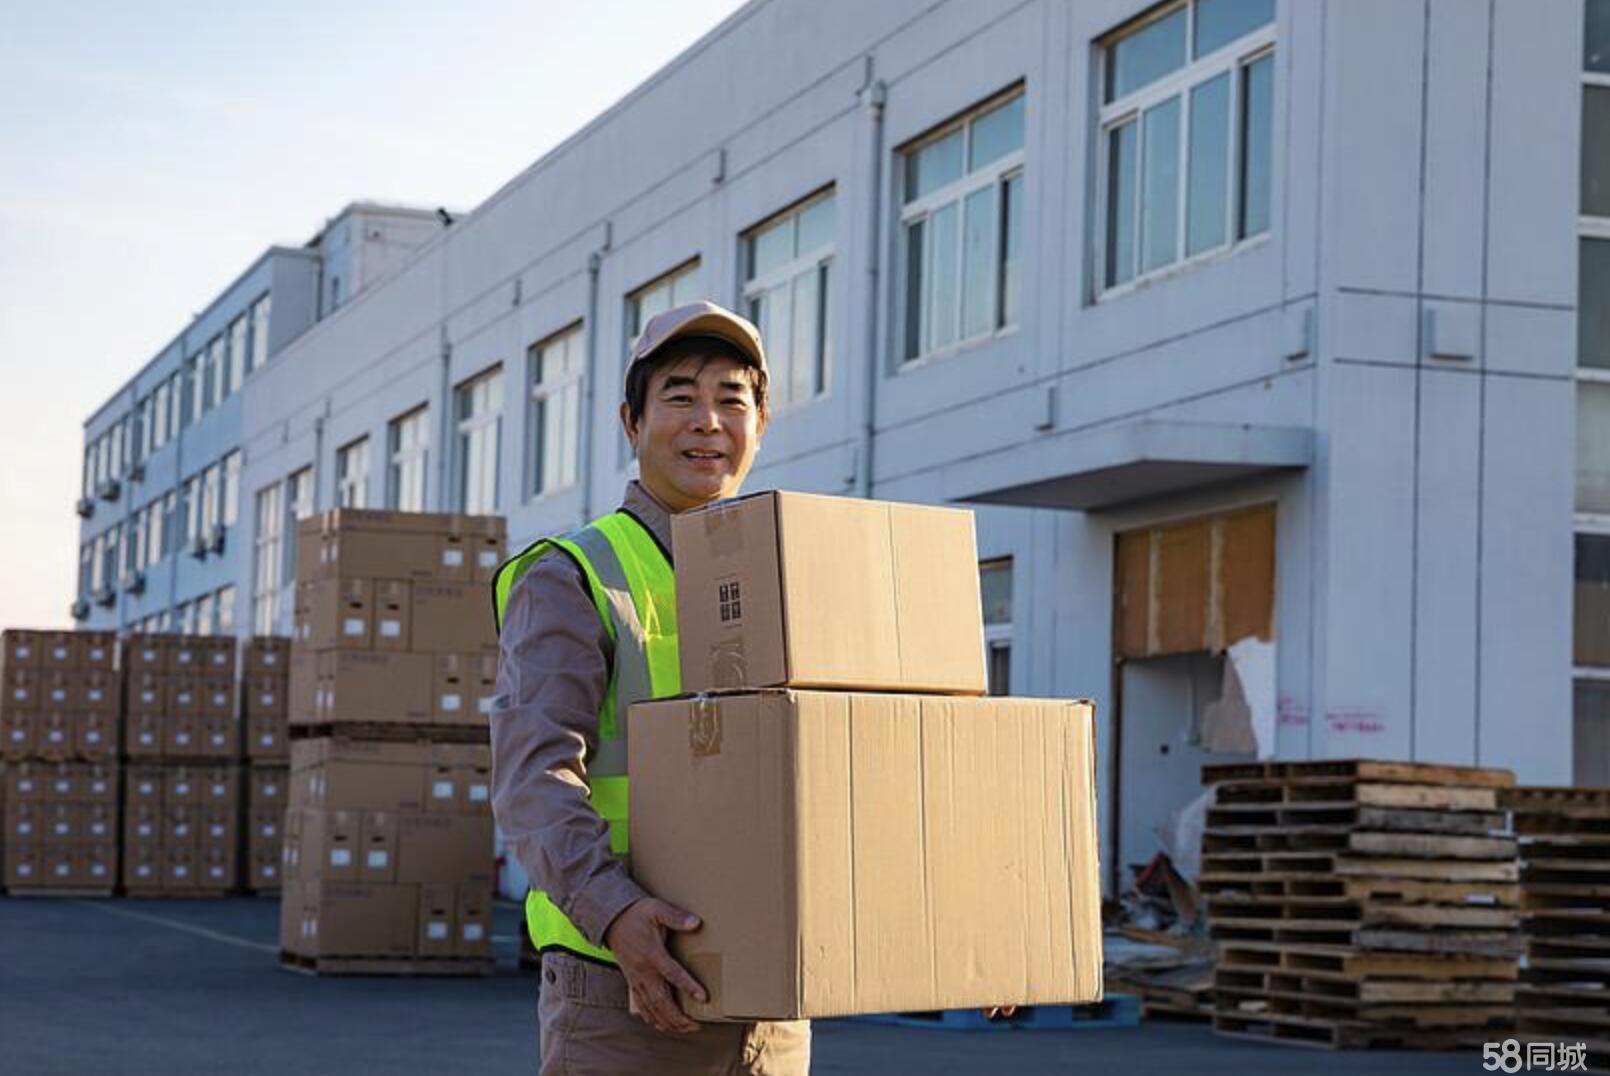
pixel 716 325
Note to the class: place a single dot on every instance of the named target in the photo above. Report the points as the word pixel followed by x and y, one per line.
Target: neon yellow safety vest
pixel 634 590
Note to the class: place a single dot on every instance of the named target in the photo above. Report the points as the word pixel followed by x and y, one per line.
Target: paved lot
pixel 182 987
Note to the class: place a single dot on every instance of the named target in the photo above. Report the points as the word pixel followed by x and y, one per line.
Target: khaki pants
pixel 587 1031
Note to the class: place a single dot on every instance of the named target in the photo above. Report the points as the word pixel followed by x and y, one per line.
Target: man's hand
pixel 637 938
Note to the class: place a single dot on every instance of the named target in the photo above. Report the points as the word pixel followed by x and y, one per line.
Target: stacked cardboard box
pixel 394 619
pixel 181 826
pixel 388 842
pixel 264 703
pixel 388 857
pixel 60 720
pixel 182 788
pixel 858 830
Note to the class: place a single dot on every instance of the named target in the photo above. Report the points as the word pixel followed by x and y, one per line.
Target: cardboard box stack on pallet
pixel 265 695
pixel 60 719
pixel 859 831
pixel 388 863
pixel 1360 903
pixel 181 798
pixel 1565 896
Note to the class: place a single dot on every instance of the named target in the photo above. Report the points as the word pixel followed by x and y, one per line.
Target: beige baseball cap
pixel 702 318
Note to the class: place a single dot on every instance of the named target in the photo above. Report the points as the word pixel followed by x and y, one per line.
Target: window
pixel 961 227
pixel 192 510
pixel 204 614
pixel 259 336
pixel 299 503
pixel 217 372
pixel 211 498
pixel 176 401
pixel 237 353
pixel 169 524
pixel 196 372
pixel 114 469
pixel 110 549
pixel 86 568
pixel 553 413
pixel 134 543
pixel 89 469
pixel 1186 124
pixel 185 616
pixel 352 474
pixel 335 293
pixel 787 262
pixel 406 441
pixel 231 489
pixel 224 607
pixel 995 587
pixel 679 286
pixel 155 538
pixel 139 431
pixel 159 416
pixel 478 404
pixel 267 557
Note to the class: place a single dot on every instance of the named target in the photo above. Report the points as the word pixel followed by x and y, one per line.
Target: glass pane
pixel 685 288
pixel 540 465
pixel 1206 202
pixel 816 222
pixel 1257 112
pixel 1596 42
pixel 915 271
pixel 933 166
pixel 570 433
pixel 1219 22
pixel 1160 185
pixel 1593 304
pixel 1592 600
pixel 996 133
pixel 942 282
pixel 778 335
pixel 1011 244
pixel 1592 447
pixel 1590 734
pixel 771 248
pixel 1000 669
pixel 823 334
pixel 1146 55
pixel 802 352
pixel 1596 151
pixel 995 588
pixel 1121 204
pixel 978 262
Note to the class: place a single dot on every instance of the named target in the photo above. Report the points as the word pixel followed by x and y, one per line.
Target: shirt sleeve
pixel 553 673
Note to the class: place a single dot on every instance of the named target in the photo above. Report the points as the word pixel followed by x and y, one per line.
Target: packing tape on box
pixel 704 727
pixel 723 531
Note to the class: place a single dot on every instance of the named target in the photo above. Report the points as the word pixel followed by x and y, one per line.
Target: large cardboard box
pixel 463 686
pixel 366 685
pixel 21 647
pixel 97 650
pixel 828 592
pixel 267 656
pixel 146 653
pixel 453 618
pixel 861 853
pixel 335 613
pixel 347 919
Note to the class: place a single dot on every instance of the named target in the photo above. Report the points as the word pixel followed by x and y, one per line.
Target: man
pixel 587 626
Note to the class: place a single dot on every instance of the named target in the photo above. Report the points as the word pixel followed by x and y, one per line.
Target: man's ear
pixel 628 425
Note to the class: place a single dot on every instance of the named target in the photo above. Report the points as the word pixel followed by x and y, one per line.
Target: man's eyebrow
pixel 735 386
pixel 677 381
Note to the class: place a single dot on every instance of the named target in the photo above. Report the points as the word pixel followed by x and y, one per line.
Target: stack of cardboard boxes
pixel 858 830
pixel 388 848
pixel 60 719
pixel 264 694
pixel 181 798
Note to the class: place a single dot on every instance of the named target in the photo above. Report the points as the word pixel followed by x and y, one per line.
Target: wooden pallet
pixel 400 732
pixel 1365 991
pixel 1351 792
pixel 1538 799
pixel 1244 818
pixel 1342 840
pixel 84 892
pixel 1494 943
pixel 1398 891
pixel 1347 963
pixel 389 966
pixel 197 893
pixel 1358 913
pixel 1361 769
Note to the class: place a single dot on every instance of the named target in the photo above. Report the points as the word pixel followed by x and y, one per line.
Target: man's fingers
pixel 668 1016
pixel 679 976
pixel 669 915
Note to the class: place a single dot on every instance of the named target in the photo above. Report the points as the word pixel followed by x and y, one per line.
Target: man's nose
pixel 706 417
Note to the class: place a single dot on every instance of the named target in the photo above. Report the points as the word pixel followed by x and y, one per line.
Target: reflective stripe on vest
pixel 634 590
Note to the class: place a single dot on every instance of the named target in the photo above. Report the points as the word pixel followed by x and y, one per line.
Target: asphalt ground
pixel 181 987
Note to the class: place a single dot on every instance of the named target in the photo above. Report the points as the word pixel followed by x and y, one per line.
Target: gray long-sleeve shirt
pixel 552 675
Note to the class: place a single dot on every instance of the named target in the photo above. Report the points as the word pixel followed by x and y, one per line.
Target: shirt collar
pixel 641 504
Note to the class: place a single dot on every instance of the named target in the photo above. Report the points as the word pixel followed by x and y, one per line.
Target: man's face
pixel 698 433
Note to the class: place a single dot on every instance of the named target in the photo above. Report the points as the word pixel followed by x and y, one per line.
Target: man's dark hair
pixel 705 348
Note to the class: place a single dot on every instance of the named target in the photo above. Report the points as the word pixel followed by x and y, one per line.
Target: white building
pixel 1230 316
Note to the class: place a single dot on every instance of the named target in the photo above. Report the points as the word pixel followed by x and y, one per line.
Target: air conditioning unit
pixel 108 489
pixel 81 609
pixel 197 547
pixel 133 582
pixel 106 597
pixel 215 539
pixel 137 472
pixel 85 507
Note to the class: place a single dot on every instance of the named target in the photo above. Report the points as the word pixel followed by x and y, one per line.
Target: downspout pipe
pixel 873 95
pixel 595 264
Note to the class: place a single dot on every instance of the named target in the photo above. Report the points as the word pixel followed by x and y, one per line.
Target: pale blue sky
pixel 149 152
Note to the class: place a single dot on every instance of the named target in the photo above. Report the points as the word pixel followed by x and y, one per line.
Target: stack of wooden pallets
pixel 1565 899
pixel 1361 903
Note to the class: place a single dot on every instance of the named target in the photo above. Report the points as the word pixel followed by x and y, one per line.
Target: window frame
pixel 539 394
pixel 996 174
pixel 465 428
pixel 268 557
pixel 1232 58
pixel 355 450
pixel 398 458
pixel 821 261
